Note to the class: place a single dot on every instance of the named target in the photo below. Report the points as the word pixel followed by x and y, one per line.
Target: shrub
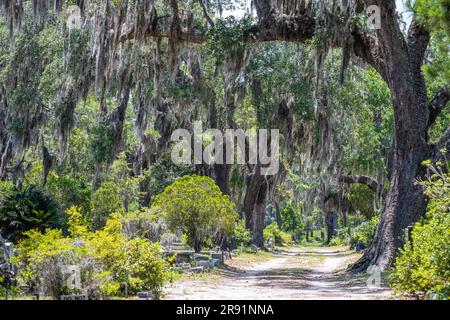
pixel 6 188
pixel 29 209
pixel 196 206
pixel 106 260
pixel 423 265
pixel 292 222
pixel 145 268
pixel 43 258
pixel 137 262
pixel 242 235
pixel 338 241
pixel 363 234
pixel 275 234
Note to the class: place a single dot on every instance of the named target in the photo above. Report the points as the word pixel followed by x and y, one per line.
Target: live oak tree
pixel 398 59
pixel 122 26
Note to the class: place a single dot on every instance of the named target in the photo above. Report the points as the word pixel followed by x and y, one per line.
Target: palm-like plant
pixel 28 209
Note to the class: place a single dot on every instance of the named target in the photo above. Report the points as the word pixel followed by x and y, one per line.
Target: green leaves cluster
pixel 279 237
pixel 364 233
pixel 362 199
pixel 196 206
pixel 106 258
pixel 227 37
pixel 423 265
pixel 28 209
pixel 292 221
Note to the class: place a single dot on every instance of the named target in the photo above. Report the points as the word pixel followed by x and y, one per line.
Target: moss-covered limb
pixel 368 181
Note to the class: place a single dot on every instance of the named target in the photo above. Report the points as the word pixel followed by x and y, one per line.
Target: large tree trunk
pixel 221 176
pixel 405 204
pixel 259 215
pixel 255 205
pixel 405 201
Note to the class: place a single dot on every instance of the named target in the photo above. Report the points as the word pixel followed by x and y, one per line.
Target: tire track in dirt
pixel 303 273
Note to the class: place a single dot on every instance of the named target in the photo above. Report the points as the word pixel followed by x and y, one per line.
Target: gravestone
pixel 197 269
pixel 201 257
pixel 218 256
pixel 204 264
pixel 184 256
pixel 215 262
pixel 146 295
pixel 184 265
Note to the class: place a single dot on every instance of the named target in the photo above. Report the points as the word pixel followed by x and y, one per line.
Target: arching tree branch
pixel 368 181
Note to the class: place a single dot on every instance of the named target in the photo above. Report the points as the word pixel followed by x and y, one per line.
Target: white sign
pixel 75 297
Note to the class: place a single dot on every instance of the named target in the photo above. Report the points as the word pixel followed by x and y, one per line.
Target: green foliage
pixel 42 259
pixel 6 188
pixel 69 190
pixel 128 185
pixel 434 13
pixel 137 262
pixel 423 265
pixel 226 38
pixel 106 200
pixel 437 76
pixel 292 221
pixel 366 136
pixel 162 174
pixel 196 206
pixel 145 268
pixel 337 241
pixel 242 235
pixel 364 233
pixel 362 199
pixel 101 142
pixel 106 259
pixel 29 209
pixel 7 290
pixel 273 233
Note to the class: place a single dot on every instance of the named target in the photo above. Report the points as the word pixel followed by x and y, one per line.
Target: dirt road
pixel 298 273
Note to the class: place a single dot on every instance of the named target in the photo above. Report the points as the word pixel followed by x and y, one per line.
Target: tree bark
pixel 253 185
pixel 405 201
pixel 255 205
pixel 221 176
pixel 259 216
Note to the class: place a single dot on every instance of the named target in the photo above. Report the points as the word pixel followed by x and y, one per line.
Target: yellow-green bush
pixel 242 235
pixel 196 206
pixel 106 259
pixel 362 235
pixel 278 236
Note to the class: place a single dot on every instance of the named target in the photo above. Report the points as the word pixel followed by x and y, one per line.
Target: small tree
pixel 196 206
